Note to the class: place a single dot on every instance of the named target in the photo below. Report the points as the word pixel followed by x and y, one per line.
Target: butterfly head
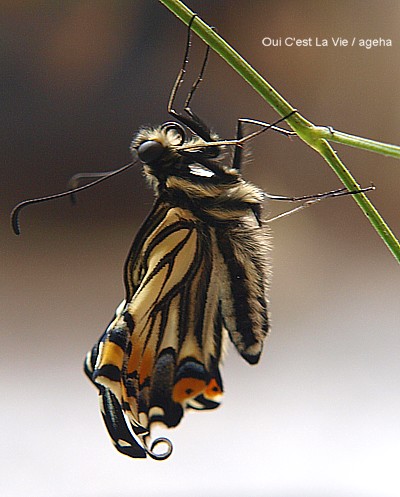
pixel 155 146
pixel 166 152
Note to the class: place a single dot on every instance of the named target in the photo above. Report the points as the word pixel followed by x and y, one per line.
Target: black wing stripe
pixel 132 276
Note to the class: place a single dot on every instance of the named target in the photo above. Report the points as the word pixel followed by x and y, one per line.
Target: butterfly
pixel 195 275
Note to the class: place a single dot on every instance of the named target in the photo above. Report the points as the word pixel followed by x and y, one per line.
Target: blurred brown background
pixel 320 415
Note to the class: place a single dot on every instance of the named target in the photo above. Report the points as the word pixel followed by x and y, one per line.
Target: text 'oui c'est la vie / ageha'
pixel 339 42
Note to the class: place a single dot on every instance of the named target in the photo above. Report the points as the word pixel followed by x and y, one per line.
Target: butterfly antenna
pixel 17 209
pixel 74 181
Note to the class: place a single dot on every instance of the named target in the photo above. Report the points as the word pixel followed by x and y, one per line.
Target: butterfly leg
pixel 191 120
pixel 241 138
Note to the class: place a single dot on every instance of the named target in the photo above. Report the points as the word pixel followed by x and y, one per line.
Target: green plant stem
pixel 330 134
pixel 315 136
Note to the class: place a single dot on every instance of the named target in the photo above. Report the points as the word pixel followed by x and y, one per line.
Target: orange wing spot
pixel 134 360
pixel 187 388
pixel 212 390
pixel 112 354
pixel 146 365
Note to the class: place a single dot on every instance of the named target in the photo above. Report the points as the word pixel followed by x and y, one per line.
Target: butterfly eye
pixel 175 133
pixel 150 151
